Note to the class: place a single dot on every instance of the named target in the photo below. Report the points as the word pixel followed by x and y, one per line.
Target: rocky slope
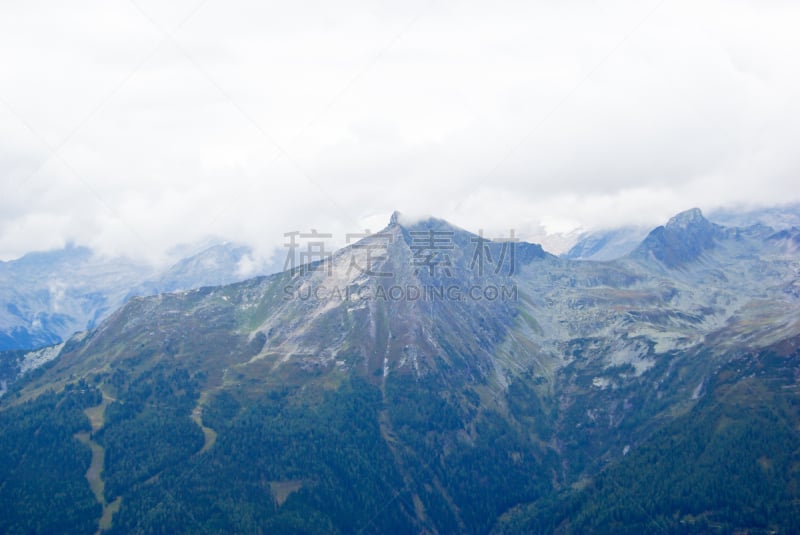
pixel 448 382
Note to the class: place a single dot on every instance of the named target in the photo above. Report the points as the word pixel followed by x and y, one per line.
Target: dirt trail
pixel 209 435
pixel 94 475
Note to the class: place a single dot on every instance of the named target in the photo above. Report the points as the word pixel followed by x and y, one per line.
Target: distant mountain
pixel 427 380
pixel 46 297
pixel 777 217
pixel 214 265
pixel 611 244
pixel 607 244
pixel 684 239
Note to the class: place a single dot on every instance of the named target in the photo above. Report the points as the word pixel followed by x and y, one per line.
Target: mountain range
pixel 48 296
pixel 430 380
pixel 614 243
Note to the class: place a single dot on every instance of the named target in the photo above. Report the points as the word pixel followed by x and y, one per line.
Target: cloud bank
pixel 133 126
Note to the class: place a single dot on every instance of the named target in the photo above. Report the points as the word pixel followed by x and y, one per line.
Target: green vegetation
pixel 42 465
pixel 296 462
pixel 469 466
pixel 408 455
pixel 731 465
pixel 148 428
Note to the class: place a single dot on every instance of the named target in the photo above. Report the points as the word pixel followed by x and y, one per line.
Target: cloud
pixel 249 120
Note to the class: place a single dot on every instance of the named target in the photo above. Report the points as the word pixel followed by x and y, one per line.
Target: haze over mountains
pixel 452 384
pixel 611 244
pixel 48 296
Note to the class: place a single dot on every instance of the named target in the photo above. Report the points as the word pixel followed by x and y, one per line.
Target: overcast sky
pixel 133 125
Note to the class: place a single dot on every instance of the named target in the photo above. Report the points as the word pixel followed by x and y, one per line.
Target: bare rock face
pixel 430 298
pixel 683 239
pixel 479 376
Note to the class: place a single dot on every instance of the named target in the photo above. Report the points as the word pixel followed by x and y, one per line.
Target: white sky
pixel 130 126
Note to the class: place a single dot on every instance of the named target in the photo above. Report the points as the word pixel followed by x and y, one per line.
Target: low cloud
pixel 130 127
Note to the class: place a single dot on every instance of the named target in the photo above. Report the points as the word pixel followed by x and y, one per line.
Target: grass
pixel 94 475
pixel 97 413
pixel 209 435
pixel 108 513
pixel 282 489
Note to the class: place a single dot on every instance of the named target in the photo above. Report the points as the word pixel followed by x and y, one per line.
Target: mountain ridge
pixel 51 295
pixel 490 393
pixel 679 243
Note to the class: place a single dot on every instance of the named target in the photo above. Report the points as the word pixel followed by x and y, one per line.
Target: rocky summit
pixel 450 382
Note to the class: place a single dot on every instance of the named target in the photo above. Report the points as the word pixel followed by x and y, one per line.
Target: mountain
pixel 49 296
pixel 430 380
pixel 612 244
pixel 606 244
pixel 778 217
pixel 684 239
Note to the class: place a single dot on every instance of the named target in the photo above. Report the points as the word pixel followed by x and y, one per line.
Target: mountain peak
pixel 411 222
pixel 417 230
pixel 687 218
pixel 684 238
